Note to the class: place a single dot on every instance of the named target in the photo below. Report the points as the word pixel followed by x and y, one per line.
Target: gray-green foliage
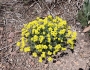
pixel 84 13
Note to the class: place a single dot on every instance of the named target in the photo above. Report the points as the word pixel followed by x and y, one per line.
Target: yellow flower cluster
pixel 45 37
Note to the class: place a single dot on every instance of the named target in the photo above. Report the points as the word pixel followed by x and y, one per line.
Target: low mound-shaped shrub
pixel 46 37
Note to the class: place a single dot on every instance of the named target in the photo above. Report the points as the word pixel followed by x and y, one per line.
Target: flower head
pixel 50 58
pixel 34 54
pixel 27 49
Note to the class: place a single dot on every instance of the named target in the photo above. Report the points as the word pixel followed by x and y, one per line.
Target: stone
pixel 17 32
pixel 82 34
pixel 32 63
pixel 46 65
pixel 58 62
pixel 10 40
pixel 78 23
pixel 1 28
pixel 1 36
pixel 11 35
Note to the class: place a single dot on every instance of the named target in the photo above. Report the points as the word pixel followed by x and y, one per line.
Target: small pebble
pixel 10 40
pixel 11 35
pixel 58 62
pixel 46 65
pixel 82 34
pixel 1 28
pixel 1 36
pixel 78 23
pixel 32 63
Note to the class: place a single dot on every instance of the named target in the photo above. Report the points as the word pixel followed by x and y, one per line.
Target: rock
pixel 10 40
pixel 29 60
pixel 58 63
pixel 0 43
pixel 49 1
pixel 69 1
pixel 1 28
pixel 78 23
pixel 82 34
pixel 46 65
pixel 11 35
pixel 1 36
pixel 32 63
pixel 17 32
pixel 75 62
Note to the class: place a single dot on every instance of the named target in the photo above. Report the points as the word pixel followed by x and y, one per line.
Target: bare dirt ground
pixel 15 13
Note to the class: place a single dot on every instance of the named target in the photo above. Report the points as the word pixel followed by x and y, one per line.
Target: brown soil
pixel 15 13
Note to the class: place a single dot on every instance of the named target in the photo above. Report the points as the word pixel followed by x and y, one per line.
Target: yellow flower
pixel 60 19
pixel 50 24
pixel 21 49
pixel 60 24
pixel 27 49
pixel 72 46
pixel 34 54
pixel 54 33
pixel 62 31
pixel 43 55
pixel 29 26
pixel 57 18
pixel 18 44
pixel 54 20
pixel 50 17
pixel 44 46
pixel 39 50
pixel 58 46
pixel 54 52
pixel 40 20
pixel 64 22
pixel 49 53
pixel 63 49
pixel 33 31
pixel 69 33
pixel 50 29
pixel 37 18
pixel 50 58
pixel 35 38
pixel 36 32
pixel 41 38
pixel 55 29
pixel 74 35
pixel 70 41
pixel 42 26
pixel 25 25
pixel 49 40
pixel 69 27
pixel 40 59
pixel 38 46
pixel 24 31
pixel 44 33
pixel 27 34
pixel 50 47
pixel 55 38
pixel 48 35
pixel 59 39
pixel 22 43
pixel 45 20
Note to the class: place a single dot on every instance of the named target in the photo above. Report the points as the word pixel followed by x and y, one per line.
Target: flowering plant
pixel 46 37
